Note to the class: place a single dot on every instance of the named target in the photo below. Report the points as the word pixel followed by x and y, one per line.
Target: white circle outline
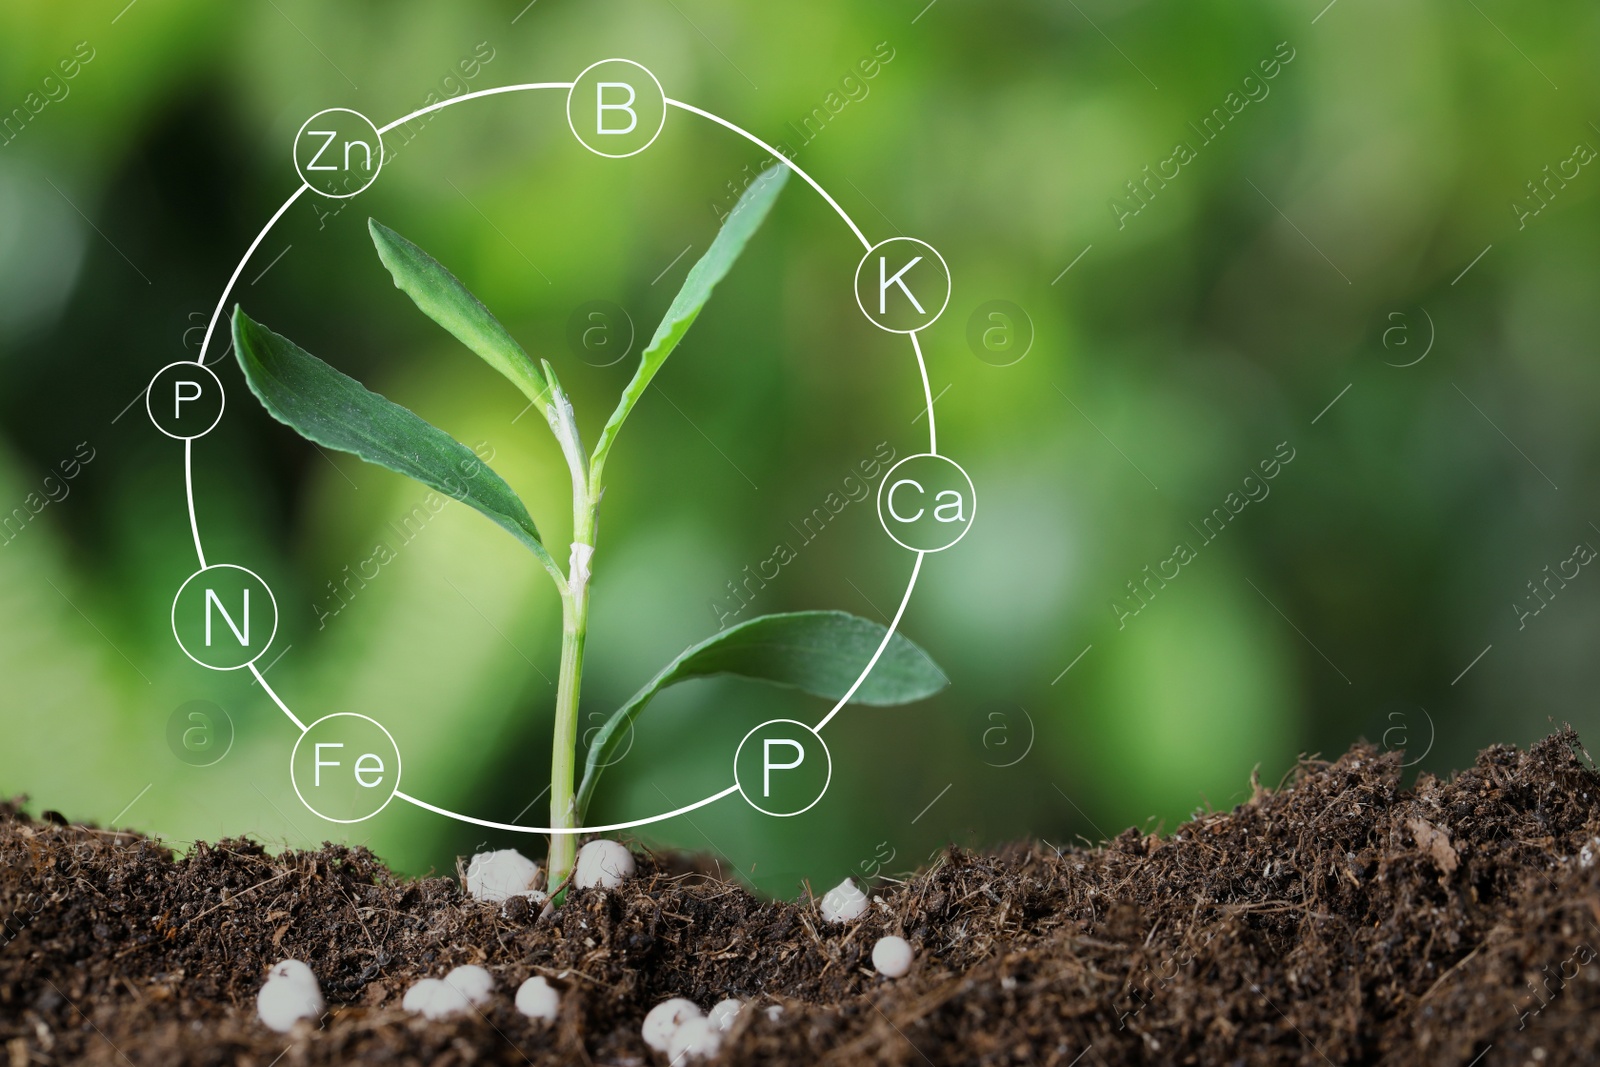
pixel 772 152
pixel 339 715
pixel 659 126
pixel 217 567
pixel 924 455
pixel 825 782
pixel 294 155
pixel 148 389
pixel 949 284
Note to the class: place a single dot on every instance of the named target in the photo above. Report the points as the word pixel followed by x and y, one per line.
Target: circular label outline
pixel 270 596
pixel 399 766
pixel 950 285
pixel 294 154
pixel 825 784
pixel 214 422
pixel 573 126
pixel 923 455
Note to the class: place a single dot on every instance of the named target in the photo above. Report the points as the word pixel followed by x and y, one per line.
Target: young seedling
pixel 818 652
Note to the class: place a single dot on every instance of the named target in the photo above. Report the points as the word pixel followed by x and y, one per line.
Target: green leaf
pixel 336 411
pixel 443 298
pixel 711 268
pixel 819 652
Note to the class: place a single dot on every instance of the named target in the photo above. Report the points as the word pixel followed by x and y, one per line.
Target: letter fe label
pixel 345 768
pixel 616 108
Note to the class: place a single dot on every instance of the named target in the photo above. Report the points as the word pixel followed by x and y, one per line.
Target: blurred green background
pixel 1218 219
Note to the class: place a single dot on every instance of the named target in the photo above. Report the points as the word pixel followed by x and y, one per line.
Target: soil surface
pixel 1339 919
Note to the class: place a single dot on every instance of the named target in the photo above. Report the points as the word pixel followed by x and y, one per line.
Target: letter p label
pixel 184 390
pixel 789 762
pixel 184 400
pixel 767 764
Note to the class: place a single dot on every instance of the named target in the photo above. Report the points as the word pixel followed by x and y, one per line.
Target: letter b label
pixel 782 767
pixel 620 126
pixel 616 108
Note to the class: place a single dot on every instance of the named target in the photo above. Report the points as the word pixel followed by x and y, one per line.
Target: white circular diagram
pixel 616 103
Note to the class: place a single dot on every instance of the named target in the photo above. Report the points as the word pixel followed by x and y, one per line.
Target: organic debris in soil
pixel 1340 919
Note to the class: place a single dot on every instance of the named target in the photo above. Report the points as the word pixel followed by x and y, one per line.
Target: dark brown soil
pixel 1340 919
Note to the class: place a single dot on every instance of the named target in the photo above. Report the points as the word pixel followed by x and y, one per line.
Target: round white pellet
pixel 293 971
pixel 538 999
pixel 892 956
pixel 603 863
pixel 724 1012
pixel 434 999
pixel 496 876
pixel 472 982
pixel 698 1038
pixel 843 902
pixel 664 1020
pixel 284 1001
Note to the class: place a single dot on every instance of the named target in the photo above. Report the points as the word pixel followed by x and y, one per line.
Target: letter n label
pixel 214 601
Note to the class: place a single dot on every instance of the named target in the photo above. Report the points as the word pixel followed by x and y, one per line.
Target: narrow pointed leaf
pixel 711 268
pixel 334 410
pixel 443 298
pixel 819 652
pixel 564 424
